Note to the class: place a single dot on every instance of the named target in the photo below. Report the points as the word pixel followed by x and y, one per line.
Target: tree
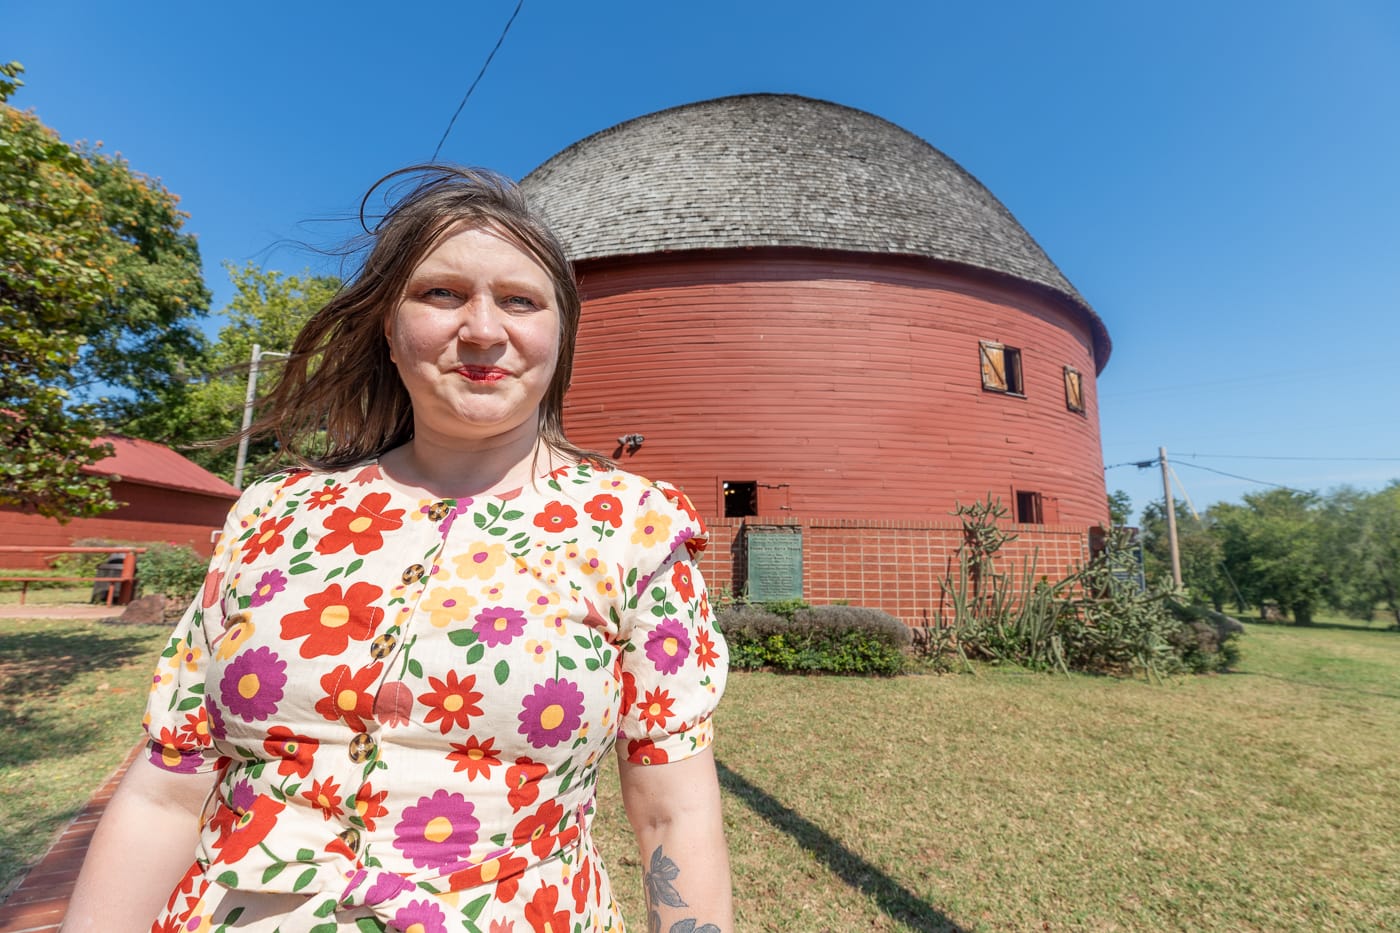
pixel 1202 570
pixel 268 308
pixel 99 293
pixel 1361 542
pixel 1120 507
pixel 1273 547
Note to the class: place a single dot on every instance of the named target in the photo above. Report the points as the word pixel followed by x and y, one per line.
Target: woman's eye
pixel 438 293
pixel 520 301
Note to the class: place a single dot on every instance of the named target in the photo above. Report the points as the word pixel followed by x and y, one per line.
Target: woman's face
pixel 475 339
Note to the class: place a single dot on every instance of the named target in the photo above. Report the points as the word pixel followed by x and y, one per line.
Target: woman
pixel 388 706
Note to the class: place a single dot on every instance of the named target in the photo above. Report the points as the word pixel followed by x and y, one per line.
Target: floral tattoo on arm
pixel 657 879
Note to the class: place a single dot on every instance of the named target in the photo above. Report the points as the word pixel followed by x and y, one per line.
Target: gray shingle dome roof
pixel 782 170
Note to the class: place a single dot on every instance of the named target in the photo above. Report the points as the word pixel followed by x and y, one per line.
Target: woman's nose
pixel 482 323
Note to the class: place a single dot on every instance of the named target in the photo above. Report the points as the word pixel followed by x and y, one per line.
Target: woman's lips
pixel 483 373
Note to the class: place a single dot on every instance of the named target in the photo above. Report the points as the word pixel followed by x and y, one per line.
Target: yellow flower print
pixel 186 655
pixel 538 650
pixel 556 622
pixel 541 602
pixel 480 560
pixel 161 679
pixel 494 593
pixel 590 563
pixel 448 604
pixel 651 529
pixel 571 552
pixel 613 484
pixel 235 638
pixel 607 588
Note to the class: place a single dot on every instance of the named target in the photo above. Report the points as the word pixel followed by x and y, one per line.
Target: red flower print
pixel 605 509
pixel 580 885
pixel 629 692
pixel 242 832
pixel 542 916
pixel 682 502
pixel 326 497
pixel 503 871
pixel 656 708
pixel 705 653
pixel 266 539
pixel 475 758
pixel 369 805
pixel 645 752
pixel 538 828
pixel 681 579
pixel 523 779
pixel 556 517
pixel 323 797
pixel 393 704
pixel 451 703
pixel 503 926
pixel 296 751
pixel 210 594
pixel 333 617
pixel 349 696
pixel 362 527
pixel 195 732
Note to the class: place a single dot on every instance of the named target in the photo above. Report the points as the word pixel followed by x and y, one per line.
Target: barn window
pixel 1074 390
pixel 740 499
pixel 1001 368
pixel 1028 508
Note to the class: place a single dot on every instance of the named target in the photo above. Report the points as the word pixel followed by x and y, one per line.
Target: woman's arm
pixel 143 845
pixel 674 809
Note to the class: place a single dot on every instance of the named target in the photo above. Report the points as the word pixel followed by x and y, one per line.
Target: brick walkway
pixel 41 900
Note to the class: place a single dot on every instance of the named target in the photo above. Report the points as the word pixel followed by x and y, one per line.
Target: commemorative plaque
pixel 774 563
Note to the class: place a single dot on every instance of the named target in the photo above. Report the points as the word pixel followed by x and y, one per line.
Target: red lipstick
pixel 483 373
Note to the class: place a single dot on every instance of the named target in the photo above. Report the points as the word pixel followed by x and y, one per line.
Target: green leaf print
pixel 325 910
pixel 335 573
pixel 273 871
pixel 305 855
pixel 502 671
pixel 567 663
pixel 324 928
pixel 493 510
pixel 304 879
pixel 475 653
pixel 355 564
pixel 415 667
pixel 228 879
pixel 474 908
pixel 513 515
pixel 497 531
pixel 480 520
pixel 369 925
pixel 300 539
pixel 189 703
pixel 300 568
pixel 461 637
pixel 582 641
pixel 591 663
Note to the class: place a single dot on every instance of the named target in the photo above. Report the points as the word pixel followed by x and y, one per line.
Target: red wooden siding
pixel 847 387
pixel 149 514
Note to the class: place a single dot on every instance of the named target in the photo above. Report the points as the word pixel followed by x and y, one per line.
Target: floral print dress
pixel 405 701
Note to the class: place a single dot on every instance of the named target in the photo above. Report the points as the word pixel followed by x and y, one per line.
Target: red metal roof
pixel 151 464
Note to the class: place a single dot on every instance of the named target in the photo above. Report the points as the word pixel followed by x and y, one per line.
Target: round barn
pixel 814 321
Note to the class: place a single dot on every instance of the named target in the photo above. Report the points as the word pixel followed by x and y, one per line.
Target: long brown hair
pixel 339 400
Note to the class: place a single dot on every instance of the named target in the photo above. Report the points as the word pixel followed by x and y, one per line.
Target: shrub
pixel 830 639
pixel 173 571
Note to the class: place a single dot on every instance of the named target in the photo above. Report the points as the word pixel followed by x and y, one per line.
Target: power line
pixel 1262 457
pixel 1247 479
pixel 479 74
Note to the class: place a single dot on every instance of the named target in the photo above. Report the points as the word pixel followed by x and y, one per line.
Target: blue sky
pixel 1219 180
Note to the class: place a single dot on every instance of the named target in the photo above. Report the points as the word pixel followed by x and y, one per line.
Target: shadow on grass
pixel 897 901
pixel 36 667
pixel 1338 688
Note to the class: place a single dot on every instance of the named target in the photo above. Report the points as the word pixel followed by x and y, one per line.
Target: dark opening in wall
pixel 740 498
pixel 1028 508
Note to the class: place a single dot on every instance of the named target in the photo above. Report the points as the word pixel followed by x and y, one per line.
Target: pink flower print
pixel 551 713
pixel 269 585
pixel 668 645
pixel 252 685
pixel 421 917
pixel 438 831
pixel 499 625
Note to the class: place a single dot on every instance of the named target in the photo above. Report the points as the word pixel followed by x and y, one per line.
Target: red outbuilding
pixel 163 498
pixel 818 324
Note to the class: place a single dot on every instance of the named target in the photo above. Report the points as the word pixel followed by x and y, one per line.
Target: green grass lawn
pixel 1261 800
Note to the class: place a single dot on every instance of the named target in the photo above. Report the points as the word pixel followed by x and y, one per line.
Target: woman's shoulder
pixel 652 511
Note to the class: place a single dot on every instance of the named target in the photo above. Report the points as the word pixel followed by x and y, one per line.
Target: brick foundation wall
pixel 894 566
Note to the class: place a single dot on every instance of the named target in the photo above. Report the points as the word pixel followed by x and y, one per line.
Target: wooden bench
pixel 121 589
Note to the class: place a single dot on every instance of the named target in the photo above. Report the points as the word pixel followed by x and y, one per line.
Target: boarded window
pixel 1001 368
pixel 1074 389
pixel 1028 508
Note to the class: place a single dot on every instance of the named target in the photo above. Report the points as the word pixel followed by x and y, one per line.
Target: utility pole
pixel 1171 516
pixel 248 400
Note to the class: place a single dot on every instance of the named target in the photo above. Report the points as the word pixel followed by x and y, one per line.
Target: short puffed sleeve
pixel 675 661
pixel 180 724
